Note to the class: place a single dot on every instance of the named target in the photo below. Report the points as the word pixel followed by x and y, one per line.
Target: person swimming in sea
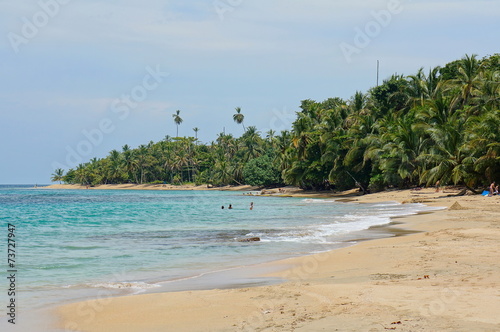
pixel 230 206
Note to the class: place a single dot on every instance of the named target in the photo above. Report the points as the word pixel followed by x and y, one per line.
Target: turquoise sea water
pixel 71 243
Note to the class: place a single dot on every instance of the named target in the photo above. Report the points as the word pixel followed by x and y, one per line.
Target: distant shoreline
pixel 352 195
pixel 133 186
pixel 287 191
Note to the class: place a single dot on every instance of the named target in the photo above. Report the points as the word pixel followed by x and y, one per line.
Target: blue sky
pixel 80 78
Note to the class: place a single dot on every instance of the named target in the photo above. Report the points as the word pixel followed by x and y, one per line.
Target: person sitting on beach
pixel 492 188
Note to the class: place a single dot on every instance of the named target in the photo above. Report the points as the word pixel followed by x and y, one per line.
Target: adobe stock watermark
pixel 223 6
pixel 31 27
pixel 445 298
pixel 372 29
pixel 120 108
pixel 280 120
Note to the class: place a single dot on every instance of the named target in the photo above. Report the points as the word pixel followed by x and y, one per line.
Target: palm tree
pixel 177 120
pixel 251 144
pixel 489 91
pixel 223 173
pixel 129 161
pixel 358 102
pixel 196 130
pixel 485 138
pixel 441 125
pixel 57 175
pixel 396 150
pixel 227 146
pixel 451 158
pixel 469 70
pixel 238 117
pixel 181 162
pixel 144 162
pixel 83 174
pixel 116 161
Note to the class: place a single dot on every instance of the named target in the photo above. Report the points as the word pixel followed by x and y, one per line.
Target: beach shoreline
pixel 367 286
pixel 133 186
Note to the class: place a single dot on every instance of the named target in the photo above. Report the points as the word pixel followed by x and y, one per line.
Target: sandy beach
pixel 444 278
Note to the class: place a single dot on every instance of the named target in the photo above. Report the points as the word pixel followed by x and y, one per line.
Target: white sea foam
pixel 385 204
pixel 330 226
pixel 135 285
pixel 317 200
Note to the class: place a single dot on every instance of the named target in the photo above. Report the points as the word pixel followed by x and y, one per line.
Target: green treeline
pixel 441 125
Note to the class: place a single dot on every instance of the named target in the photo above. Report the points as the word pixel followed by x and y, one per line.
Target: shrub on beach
pixel 261 172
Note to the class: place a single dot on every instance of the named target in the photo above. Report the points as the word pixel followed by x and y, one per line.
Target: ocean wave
pixel 81 247
pixel 322 233
pixel 135 285
pixel 385 204
pixel 317 200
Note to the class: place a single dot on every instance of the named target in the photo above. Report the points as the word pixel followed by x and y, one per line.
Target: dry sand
pixel 445 278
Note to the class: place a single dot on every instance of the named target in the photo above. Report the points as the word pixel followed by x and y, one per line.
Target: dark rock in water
pixel 250 239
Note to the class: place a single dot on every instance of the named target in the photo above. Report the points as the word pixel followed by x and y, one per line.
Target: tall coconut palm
pixel 223 172
pixel 227 146
pixel 177 120
pixel 82 174
pixel 489 92
pixel 358 102
pixel 420 87
pixel 196 130
pixel 451 159
pixel 469 78
pixel 238 117
pixel 181 162
pixel 251 144
pixel 143 161
pixel 438 110
pixel 116 163
pixel 57 175
pixel 271 141
pixel 485 139
pixel 129 161
pixel 397 149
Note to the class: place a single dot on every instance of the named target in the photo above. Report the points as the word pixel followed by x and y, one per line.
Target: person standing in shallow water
pixel 251 206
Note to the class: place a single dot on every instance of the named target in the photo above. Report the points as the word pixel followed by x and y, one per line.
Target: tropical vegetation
pixel 437 125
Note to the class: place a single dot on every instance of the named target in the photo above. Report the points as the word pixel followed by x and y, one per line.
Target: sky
pixel 81 78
